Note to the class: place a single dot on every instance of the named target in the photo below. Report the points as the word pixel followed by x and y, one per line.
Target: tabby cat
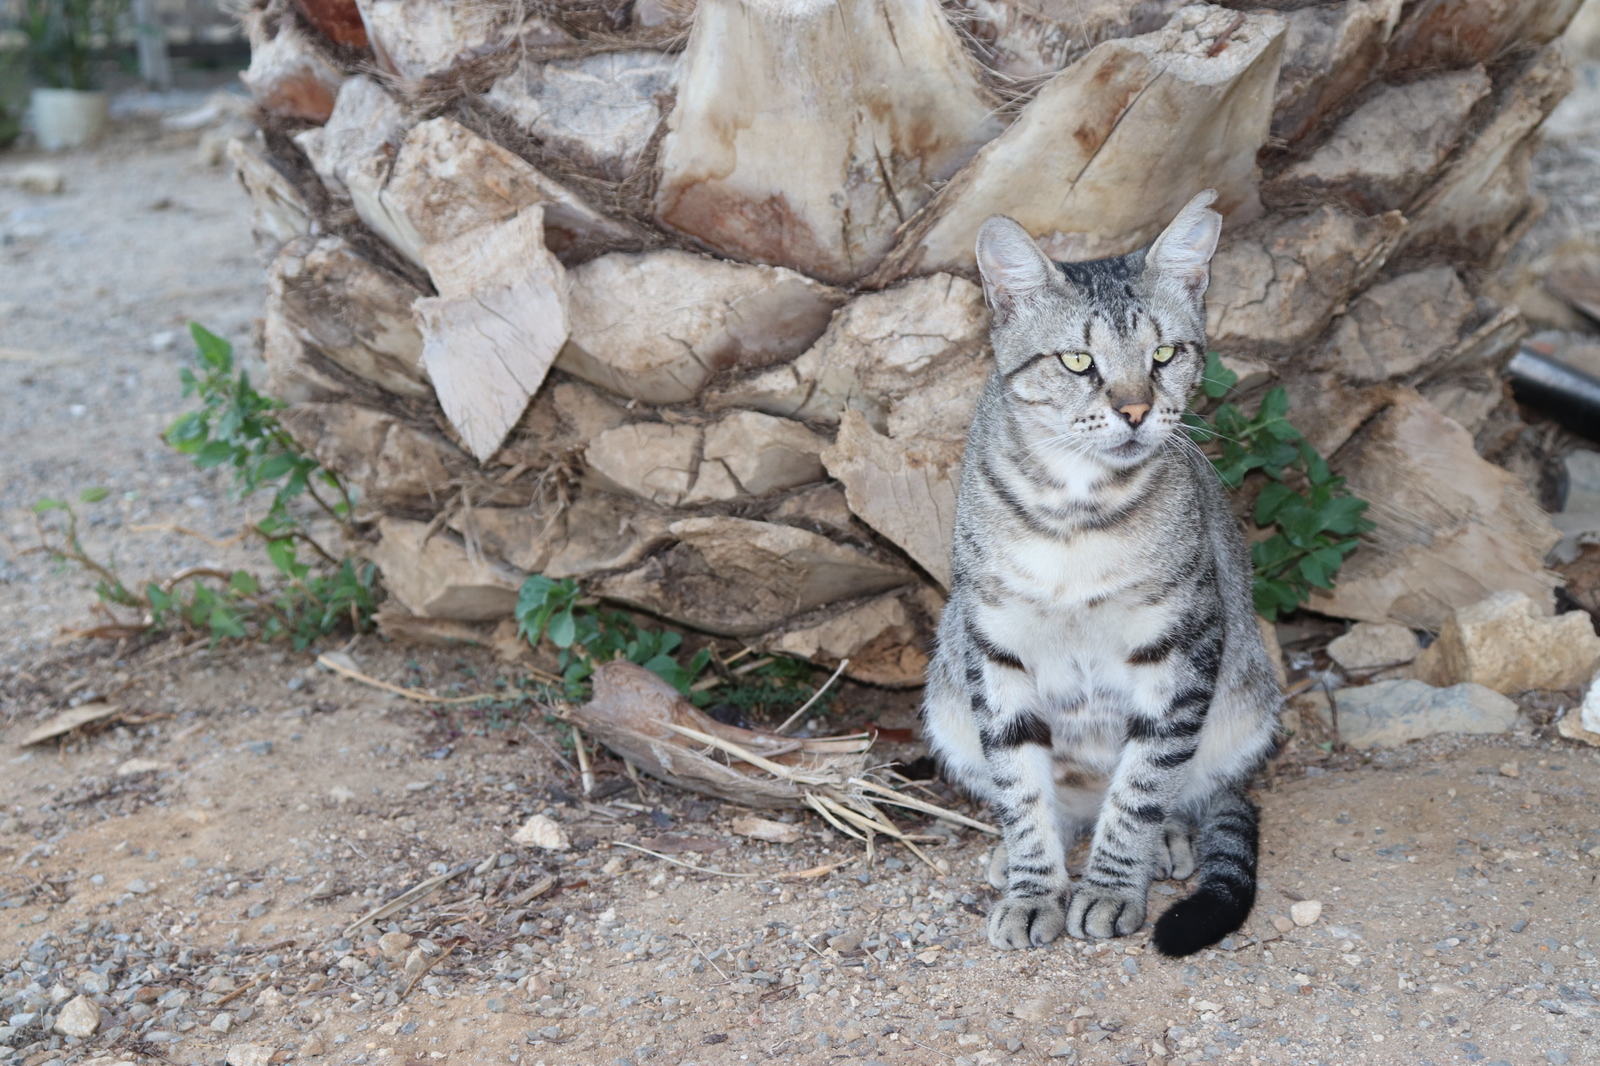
pixel 1099 663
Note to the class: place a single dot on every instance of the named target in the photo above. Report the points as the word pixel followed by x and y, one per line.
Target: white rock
pixel 1306 912
pixel 436 578
pixel 542 832
pixel 1113 146
pixel 749 825
pixel 80 1017
pixel 1371 645
pixel 806 132
pixel 492 333
pixel 1589 716
pixel 41 179
pixel 341 794
pixel 599 110
pixel 249 1055
pixel 657 326
pixel 1390 713
pixel 132 767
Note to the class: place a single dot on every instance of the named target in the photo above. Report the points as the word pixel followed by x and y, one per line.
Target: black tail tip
pixel 1199 921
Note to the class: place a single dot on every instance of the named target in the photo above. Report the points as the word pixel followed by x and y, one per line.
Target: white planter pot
pixel 69 118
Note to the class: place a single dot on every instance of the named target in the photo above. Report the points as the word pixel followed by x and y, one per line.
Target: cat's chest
pixel 1088 568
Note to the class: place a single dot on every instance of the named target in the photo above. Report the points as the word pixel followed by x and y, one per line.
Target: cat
pixel 1098 663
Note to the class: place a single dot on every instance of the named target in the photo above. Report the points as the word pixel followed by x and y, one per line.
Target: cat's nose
pixel 1134 412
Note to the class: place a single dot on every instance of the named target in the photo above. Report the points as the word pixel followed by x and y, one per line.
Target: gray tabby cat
pixel 1098 662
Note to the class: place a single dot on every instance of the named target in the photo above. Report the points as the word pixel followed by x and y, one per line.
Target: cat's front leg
pixel 1134 818
pixel 1017 745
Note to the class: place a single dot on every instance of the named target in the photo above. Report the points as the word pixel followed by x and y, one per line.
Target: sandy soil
pixel 194 869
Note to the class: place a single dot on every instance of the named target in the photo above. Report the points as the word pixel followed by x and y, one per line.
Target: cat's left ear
pixel 1184 249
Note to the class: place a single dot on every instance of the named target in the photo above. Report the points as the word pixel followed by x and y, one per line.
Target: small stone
pixel 312 1046
pixel 249 1055
pixel 495 1005
pixel 41 179
pixel 80 1018
pixel 1372 645
pixel 222 1022
pixel 259 747
pixel 1281 923
pixel 844 942
pixel 1506 643
pixel 341 794
pixel 1306 912
pixel 1510 769
pixel 134 767
pixel 749 825
pixel 1037 1010
pixel 542 832
pixel 140 887
pixel 1064 1049
pixel 416 962
pixel 1389 713
pixel 393 945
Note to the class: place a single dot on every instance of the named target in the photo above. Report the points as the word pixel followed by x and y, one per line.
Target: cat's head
pixel 1099 359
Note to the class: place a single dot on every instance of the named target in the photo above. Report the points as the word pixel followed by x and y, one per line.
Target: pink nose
pixel 1134 412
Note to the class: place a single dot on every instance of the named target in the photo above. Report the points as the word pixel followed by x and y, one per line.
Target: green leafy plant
pixel 588 635
pixel 62 35
pixel 236 426
pixel 1315 522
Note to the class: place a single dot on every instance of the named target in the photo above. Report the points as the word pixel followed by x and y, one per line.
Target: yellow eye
pixel 1164 353
pixel 1077 362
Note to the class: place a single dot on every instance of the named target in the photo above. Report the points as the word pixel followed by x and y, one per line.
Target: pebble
pixel 41 179
pixel 139 887
pixel 79 1018
pixel 1306 912
pixel 1064 1050
pixel 133 767
pixel 393 945
pixel 1510 769
pixel 312 1046
pixel 222 1022
pixel 541 831
pixel 249 1055
pixel 1281 923
pixel 341 794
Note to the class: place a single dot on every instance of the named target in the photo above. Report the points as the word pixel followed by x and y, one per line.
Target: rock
pixel 1456 33
pixel 278 211
pixel 79 1017
pixel 1510 769
pixel 1571 725
pixel 447 180
pixel 249 1055
pixel 436 578
pixel 393 945
pixel 884 638
pixel 341 794
pixel 350 310
pixel 1373 646
pixel 1389 713
pixel 1582 491
pixel 749 825
pixel 1451 528
pixel 418 39
pixel 40 179
pixel 1380 156
pixel 1399 326
pixel 354 150
pixel 222 1023
pixel 491 334
pixel 1507 643
pixel 1484 190
pixel 1112 147
pixel 1063 1049
pixel 763 454
pixel 1282 924
pixel 781 150
pixel 878 350
pixel 289 75
pixel 737 577
pixel 598 111
pixel 657 326
pixel 1273 292
pixel 417 961
pixel 542 832
pixel 1038 1011
pixel 140 887
pixel 1590 711
pixel 394 463
pixel 1329 52
pixel 905 491
pixel 1305 912
pixel 135 767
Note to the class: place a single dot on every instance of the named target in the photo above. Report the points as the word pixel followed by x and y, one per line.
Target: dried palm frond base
pixel 643 719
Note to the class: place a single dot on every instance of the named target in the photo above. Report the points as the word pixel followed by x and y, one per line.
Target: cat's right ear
pixel 1013 268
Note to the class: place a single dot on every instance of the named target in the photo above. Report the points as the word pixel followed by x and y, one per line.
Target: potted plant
pixel 68 110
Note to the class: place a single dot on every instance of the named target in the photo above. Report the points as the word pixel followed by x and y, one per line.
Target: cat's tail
pixel 1227 842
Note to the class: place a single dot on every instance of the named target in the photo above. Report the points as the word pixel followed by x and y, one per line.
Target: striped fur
pixel 1099 668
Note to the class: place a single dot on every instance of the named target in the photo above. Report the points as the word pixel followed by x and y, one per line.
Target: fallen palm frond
pixel 643 719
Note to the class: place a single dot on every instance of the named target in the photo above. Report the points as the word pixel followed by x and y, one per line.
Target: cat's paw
pixel 1174 853
pixel 1026 921
pixel 1101 911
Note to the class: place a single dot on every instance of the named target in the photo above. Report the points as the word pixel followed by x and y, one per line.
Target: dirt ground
pixel 194 870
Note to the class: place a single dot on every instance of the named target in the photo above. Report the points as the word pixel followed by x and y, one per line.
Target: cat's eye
pixel 1164 353
pixel 1077 362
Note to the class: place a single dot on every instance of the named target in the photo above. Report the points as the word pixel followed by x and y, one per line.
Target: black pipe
pixel 1557 390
